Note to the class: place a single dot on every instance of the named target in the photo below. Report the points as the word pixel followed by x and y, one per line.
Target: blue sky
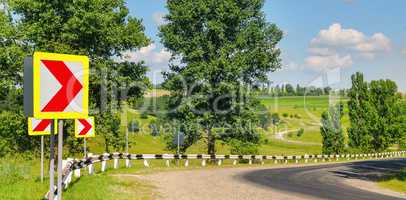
pixel 325 40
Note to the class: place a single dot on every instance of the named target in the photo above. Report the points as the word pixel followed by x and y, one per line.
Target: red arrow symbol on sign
pixel 86 127
pixel 70 86
pixel 42 125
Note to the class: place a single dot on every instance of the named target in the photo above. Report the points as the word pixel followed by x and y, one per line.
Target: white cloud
pixel 156 58
pixel 350 39
pixel 403 51
pixel 158 18
pixel 335 35
pixel 321 51
pixel 321 63
pixel 337 46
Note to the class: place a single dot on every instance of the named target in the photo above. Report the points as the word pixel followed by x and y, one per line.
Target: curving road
pixel 326 182
pixel 288 183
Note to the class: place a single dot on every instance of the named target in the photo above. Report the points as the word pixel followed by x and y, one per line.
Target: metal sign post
pixel 42 158
pixel 51 163
pixel 84 147
pixel 60 152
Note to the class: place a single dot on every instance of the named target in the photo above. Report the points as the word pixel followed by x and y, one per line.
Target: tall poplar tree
pixel 220 50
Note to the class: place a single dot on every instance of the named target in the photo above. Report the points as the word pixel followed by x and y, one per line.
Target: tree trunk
pixel 211 142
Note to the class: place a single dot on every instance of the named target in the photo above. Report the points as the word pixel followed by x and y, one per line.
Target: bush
pixel 133 126
pixel 13 134
pixel 144 115
pixel 300 132
pixel 154 129
pixel 243 148
pixel 285 114
pixel 297 116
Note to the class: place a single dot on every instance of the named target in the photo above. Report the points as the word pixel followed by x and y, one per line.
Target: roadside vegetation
pixel 395 182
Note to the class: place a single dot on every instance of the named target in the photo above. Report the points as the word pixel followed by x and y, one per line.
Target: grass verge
pixel 395 182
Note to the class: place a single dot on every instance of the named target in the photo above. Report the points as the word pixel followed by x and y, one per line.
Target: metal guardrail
pixel 73 166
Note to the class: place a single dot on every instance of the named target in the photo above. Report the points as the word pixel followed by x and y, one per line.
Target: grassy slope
pixel 396 182
pixel 19 179
pixel 302 112
pixel 309 109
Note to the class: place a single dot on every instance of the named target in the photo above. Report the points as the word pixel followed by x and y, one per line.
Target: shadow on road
pixel 326 181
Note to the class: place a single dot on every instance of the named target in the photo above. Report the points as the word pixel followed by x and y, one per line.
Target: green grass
pixel 395 182
pixel 307 111
pixel 105 186
pixel 20 179
pixel 302 112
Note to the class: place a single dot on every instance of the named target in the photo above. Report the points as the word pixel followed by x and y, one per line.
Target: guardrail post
pixel 250 161
pixel 91 168
pixel 104 162
pixel 167 163
pixel 203 162
pixel 186 163
pixel 115 159
pixel 127 160
pixel 219 162
pixel 146 164
pixel 315 160
pixel 235 162
pixel 77 173
pixel 276 161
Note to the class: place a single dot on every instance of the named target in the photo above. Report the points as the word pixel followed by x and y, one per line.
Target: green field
pixel 295 112
pixel 302 112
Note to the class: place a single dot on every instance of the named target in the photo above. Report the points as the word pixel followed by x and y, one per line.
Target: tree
pixel 220 49
pixel 385 98
pixel 100 29
pixel 290 90
pixel 11 62
pixel 401 125
pixel 375 114
pixel 264 116
pixel 361 114
pixel 275 120
pixel 331 130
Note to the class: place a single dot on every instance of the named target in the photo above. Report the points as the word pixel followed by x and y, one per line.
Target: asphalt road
pixel 326 181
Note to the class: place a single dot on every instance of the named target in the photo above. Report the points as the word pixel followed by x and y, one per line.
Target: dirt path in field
pixel 281 136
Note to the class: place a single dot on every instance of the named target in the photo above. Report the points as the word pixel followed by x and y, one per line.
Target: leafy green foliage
pixel 13 137
pixel 375 114
pixel 332 131
pixel 300 132
pixel 275 119
pixel 264 116
pixel 133 126
pixel 191 131
pixel 113 138
pixel 100 29
pixel 243 148
pixel 220 49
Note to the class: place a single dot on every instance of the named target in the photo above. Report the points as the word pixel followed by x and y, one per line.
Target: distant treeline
pixel 290 90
